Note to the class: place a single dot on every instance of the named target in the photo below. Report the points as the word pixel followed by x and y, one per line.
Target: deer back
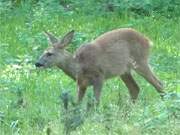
pixel 111 54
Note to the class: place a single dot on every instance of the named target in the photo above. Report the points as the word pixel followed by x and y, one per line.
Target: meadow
pixel 30 98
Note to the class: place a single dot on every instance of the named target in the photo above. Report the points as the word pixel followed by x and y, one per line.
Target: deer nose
pixel 38 64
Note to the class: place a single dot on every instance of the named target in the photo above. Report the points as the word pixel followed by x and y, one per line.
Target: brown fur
pixel 112 54
pixel 115 53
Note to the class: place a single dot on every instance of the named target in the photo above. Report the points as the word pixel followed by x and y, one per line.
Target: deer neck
pixel 69 66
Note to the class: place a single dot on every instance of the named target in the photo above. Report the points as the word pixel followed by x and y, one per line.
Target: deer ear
pixel 67 38
pixel 51 37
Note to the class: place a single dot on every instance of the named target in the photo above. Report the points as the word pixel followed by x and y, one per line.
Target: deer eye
pixel 49 54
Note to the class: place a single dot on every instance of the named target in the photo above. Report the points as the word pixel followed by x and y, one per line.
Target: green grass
pixel 30 98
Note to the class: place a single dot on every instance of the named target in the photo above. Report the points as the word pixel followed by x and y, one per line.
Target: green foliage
pixel 168 8
pixel 29 97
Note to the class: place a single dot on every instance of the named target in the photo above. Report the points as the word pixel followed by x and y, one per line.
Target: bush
pixel 168 8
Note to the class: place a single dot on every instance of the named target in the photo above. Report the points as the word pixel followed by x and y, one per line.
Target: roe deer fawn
pixel 112 54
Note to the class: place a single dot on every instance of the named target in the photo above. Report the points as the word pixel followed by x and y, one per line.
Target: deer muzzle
pixel 39 64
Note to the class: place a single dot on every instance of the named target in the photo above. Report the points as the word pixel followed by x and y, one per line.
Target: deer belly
pixel 114 62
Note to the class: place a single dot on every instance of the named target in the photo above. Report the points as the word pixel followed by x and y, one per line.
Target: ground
pixel 30 98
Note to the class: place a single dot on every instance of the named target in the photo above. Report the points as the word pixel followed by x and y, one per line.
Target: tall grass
pixel 30 98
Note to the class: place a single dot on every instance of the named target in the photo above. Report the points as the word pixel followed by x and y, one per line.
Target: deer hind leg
pixel 131 85
pixel 144 70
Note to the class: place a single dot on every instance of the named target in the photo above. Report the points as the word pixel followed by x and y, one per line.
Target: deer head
pixel 55 54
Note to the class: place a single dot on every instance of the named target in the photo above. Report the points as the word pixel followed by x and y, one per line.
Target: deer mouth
pixel 39 65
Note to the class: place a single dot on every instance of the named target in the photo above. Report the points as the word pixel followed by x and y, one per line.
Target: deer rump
pixel 112 55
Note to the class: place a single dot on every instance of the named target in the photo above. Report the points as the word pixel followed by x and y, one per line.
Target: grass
pixel 30 98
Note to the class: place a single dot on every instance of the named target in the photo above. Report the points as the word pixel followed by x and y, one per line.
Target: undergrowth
pixel 31 99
